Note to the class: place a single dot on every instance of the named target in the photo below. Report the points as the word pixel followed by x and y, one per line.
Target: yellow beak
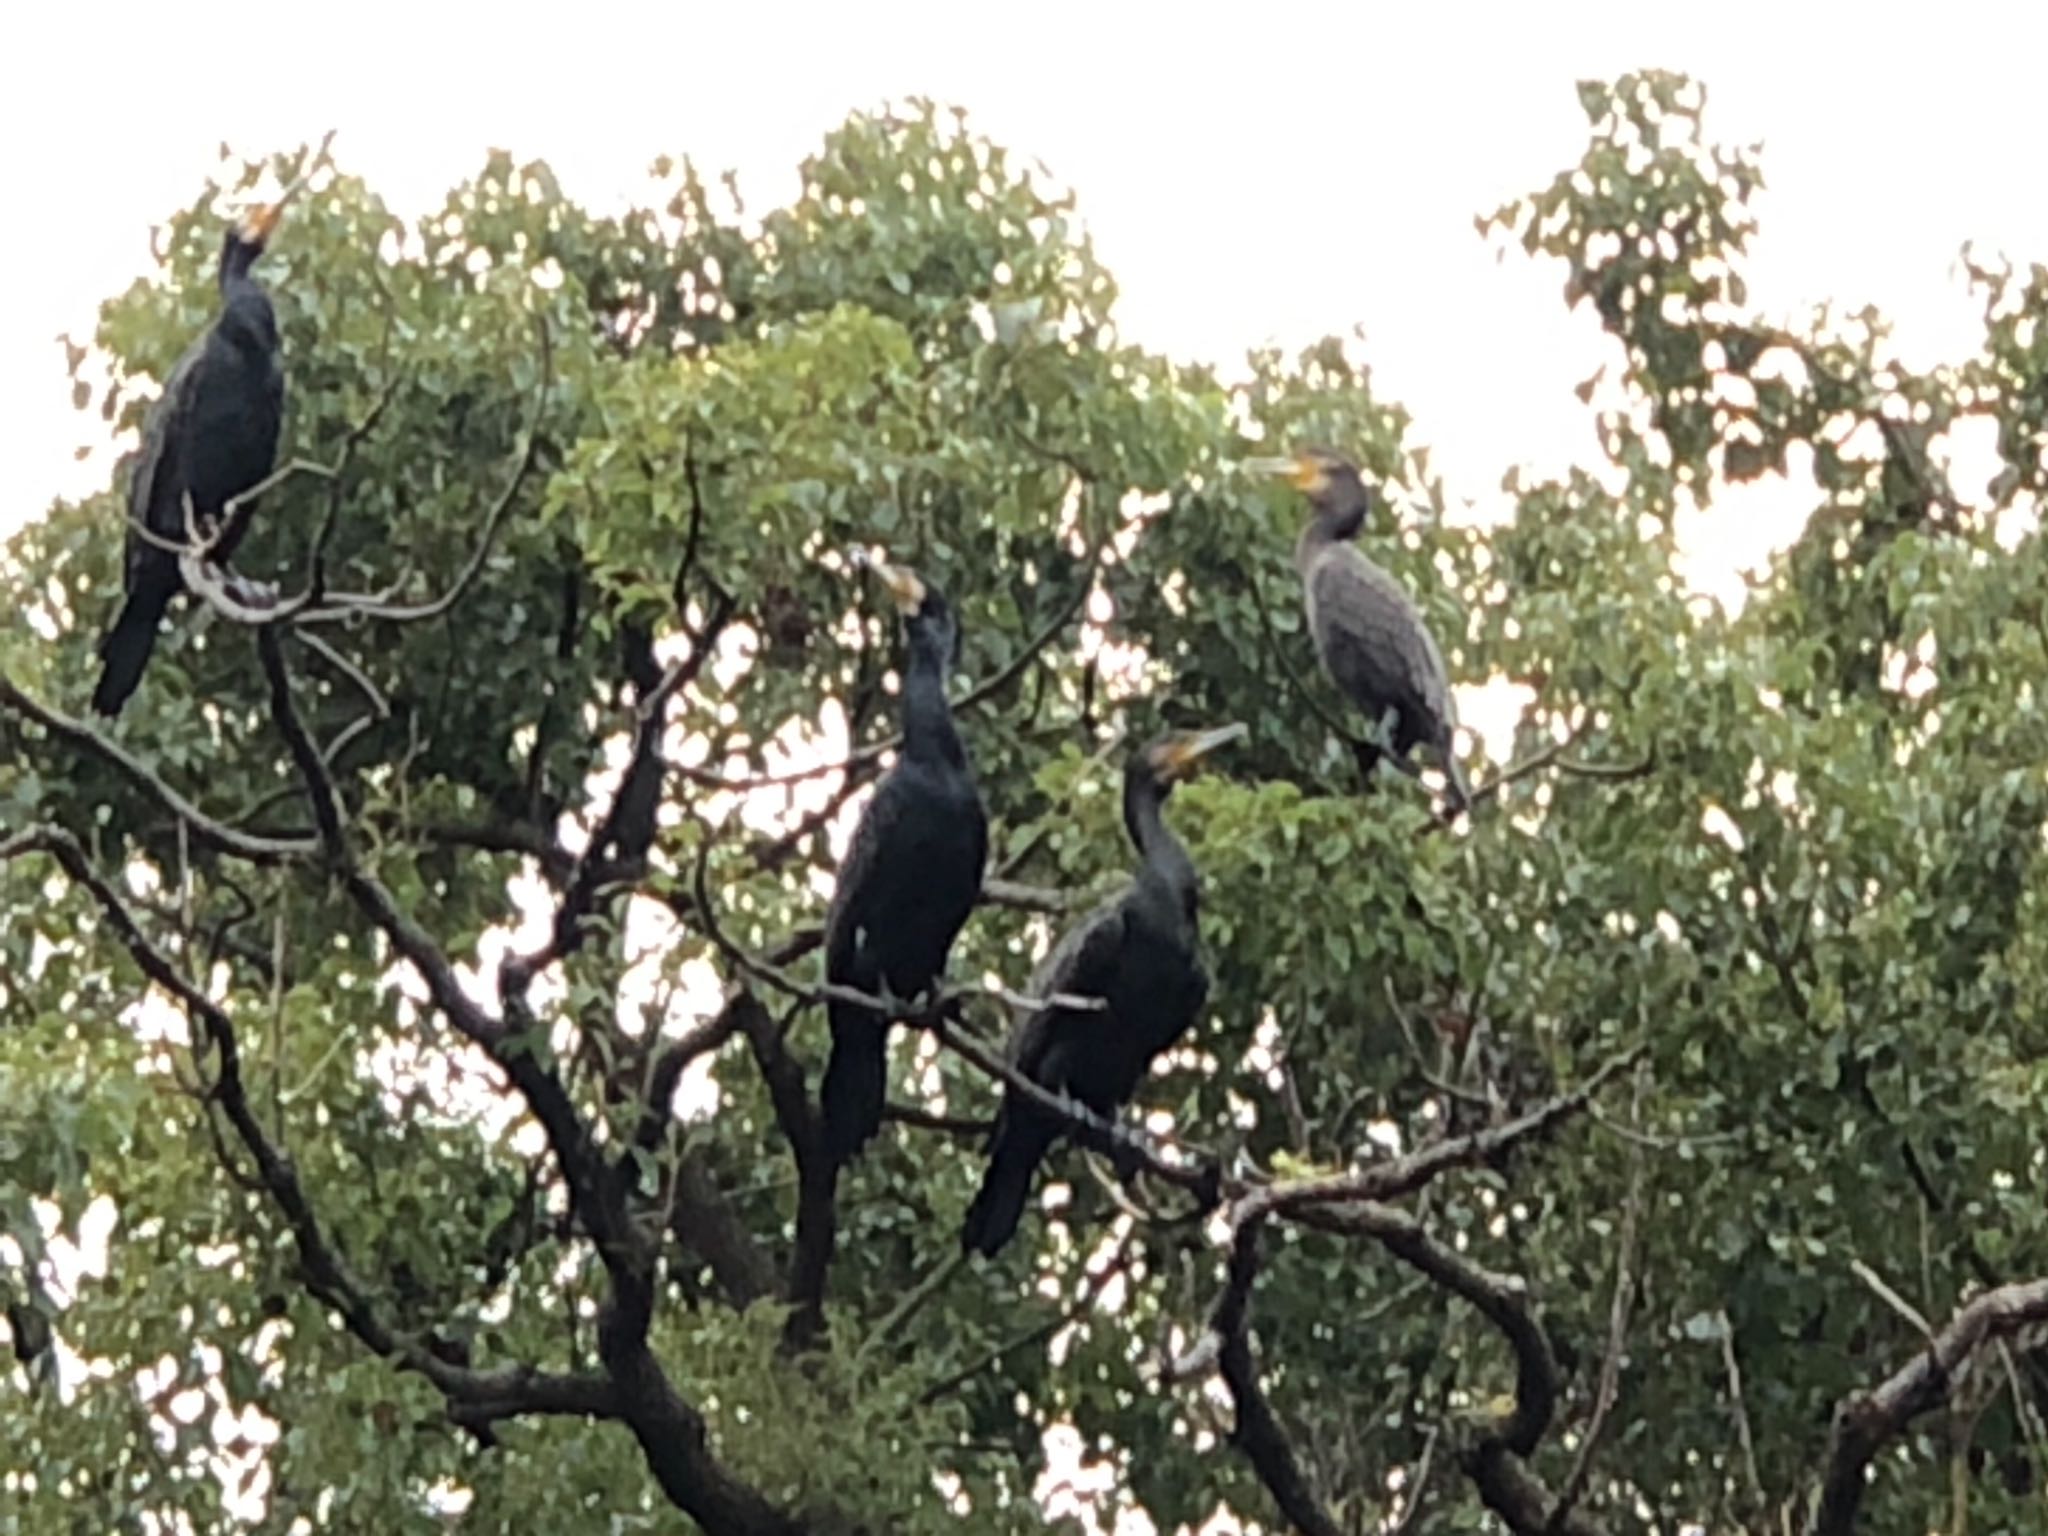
pixel 258 222
pixel 903 583
pixel 1190 749
pixel 1298 470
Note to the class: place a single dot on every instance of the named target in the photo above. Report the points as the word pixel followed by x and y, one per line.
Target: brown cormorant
pixel 1368 632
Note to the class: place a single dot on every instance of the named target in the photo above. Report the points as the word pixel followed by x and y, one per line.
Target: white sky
pixel 1251 173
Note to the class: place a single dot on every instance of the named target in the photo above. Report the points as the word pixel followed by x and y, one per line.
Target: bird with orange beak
pixel 211 436
pixel 1369 635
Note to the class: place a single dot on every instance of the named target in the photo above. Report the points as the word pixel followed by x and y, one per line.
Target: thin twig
pixel 978 694
pixel 1743 1437
pixel 1085 1295
pixel 341 606
pixel 1605 1394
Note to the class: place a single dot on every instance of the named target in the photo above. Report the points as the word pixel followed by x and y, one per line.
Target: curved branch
pixel 211 833
pixel 340 606
pixel 1866 1422
pixel 491 1395
pixel 1257 1431
pixel 1496 1464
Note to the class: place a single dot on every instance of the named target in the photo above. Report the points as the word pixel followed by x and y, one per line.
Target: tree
pixel 1604 1164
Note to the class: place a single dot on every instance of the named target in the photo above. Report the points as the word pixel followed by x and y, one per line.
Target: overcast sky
pixel 1251 173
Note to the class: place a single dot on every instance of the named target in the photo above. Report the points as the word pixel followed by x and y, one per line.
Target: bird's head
pixel 1330 481
pixel 1169 759
pixel 926 613
pixel 247 238
pixel 255 227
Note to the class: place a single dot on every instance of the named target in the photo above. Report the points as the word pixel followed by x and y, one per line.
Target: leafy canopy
pixel 1792 852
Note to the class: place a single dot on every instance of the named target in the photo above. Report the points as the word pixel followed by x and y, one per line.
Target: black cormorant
pixel 212 434
pixel 911 874
pixel 1368 632
pixel 1139 954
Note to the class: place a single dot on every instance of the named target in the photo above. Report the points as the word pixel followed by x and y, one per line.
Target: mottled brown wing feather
pixel 1372 637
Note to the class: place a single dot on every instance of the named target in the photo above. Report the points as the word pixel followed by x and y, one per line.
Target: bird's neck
pixel 1165 872
pixel 1337 524
pixel 929 735
pixel 237 259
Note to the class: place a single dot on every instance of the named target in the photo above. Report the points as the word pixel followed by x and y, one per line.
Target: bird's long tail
pixel 126 649
pixel 856 1081
pixel 1014 1154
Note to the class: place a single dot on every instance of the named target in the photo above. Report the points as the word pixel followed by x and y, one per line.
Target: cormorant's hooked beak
pixel 903 583
pixel 1303 471
pixel 259 222
pixel 1181 754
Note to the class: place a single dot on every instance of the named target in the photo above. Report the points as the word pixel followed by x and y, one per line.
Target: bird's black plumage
pixel 911 874
pixel 1369 635
pixel 1140 954
pixel 211 435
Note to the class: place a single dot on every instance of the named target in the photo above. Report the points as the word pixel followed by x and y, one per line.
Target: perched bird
pixel 1368 632
pixel 211 435
pixel 1140 955
pixel 911 873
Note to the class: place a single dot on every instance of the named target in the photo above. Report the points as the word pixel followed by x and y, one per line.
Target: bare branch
pixel 1399 1176
pixel 205 829
pixel 1867 1421
pixel 323 1270
pixel 998 892
pixel 922 1119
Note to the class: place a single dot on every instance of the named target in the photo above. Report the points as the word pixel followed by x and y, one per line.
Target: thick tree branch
pixel 817 1216
pixel 1257 1431
pixel 672 1434
pixel 703 1221
pixel 1496 1462
pixel 1866 1422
